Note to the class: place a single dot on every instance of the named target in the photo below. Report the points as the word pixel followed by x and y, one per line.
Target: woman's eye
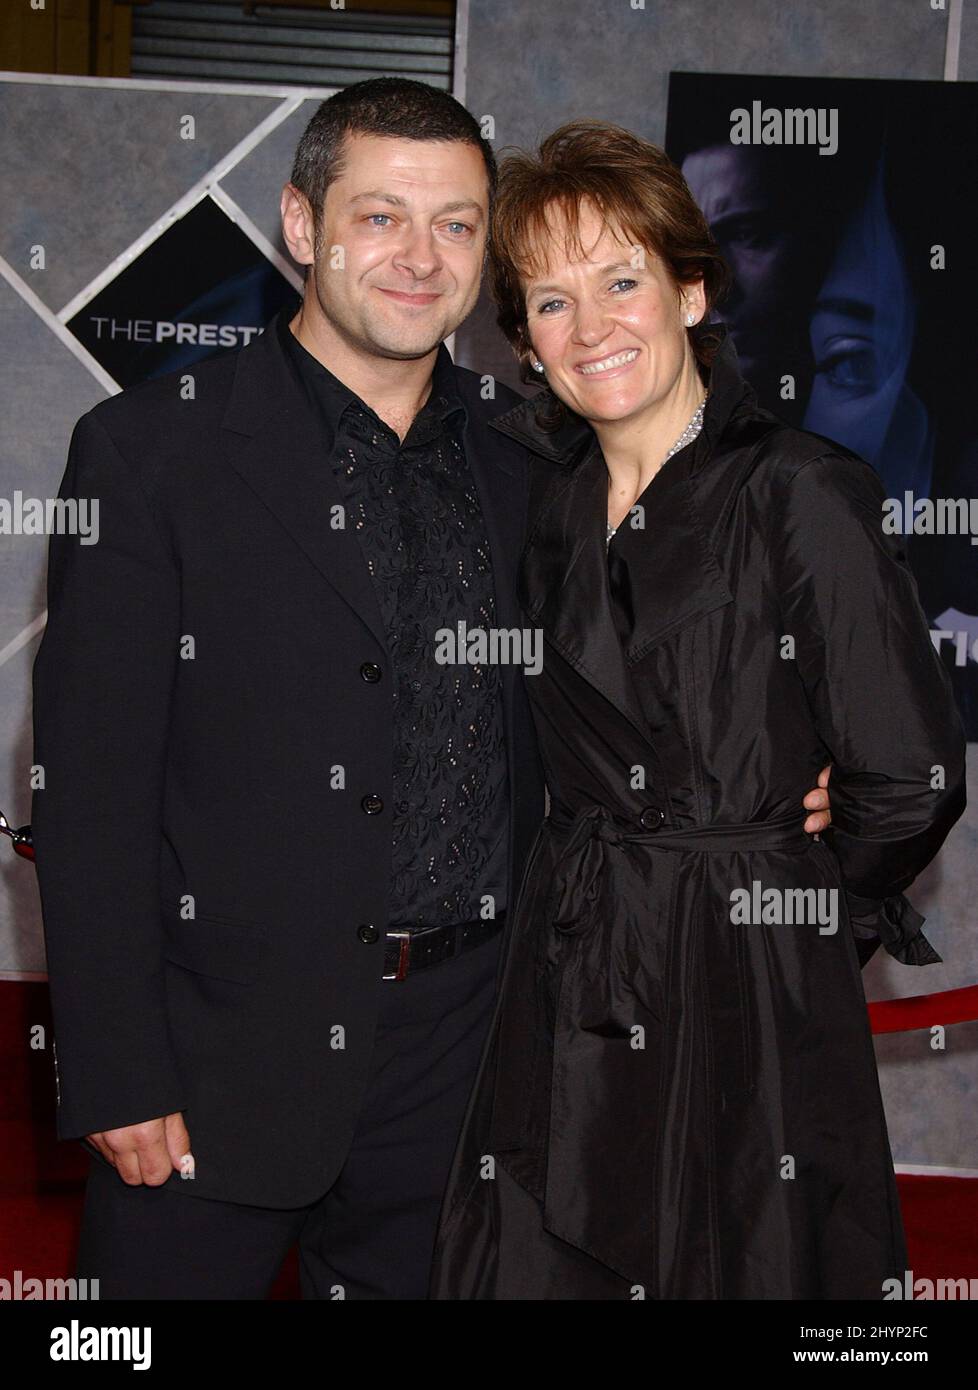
pixel 549 306
pixel 629 284
pixel 853 371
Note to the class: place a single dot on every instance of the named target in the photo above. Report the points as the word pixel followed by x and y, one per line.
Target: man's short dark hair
pixel 397 107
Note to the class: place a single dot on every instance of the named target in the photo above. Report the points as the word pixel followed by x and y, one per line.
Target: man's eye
pixel 379 217
pixel 751 233
pixel 458 227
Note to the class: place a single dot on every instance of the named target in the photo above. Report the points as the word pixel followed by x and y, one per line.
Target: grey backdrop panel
pixel 255 183
pixel 86 169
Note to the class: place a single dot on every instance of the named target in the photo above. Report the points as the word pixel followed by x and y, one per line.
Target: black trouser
pixel 372 1234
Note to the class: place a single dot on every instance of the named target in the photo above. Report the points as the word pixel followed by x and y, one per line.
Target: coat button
pixel 372 804
pixel 370 672
pixel 368 934
pixel 651 818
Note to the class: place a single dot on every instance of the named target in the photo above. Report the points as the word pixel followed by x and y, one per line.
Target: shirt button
pixel 651 818
pixel 372 804
pixel 368 934
pixel 370 672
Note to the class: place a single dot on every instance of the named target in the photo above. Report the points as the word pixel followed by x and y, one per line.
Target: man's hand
pixel 149 1152
pixel 818 801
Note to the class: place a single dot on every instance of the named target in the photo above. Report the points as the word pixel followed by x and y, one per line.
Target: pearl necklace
pixel 687 437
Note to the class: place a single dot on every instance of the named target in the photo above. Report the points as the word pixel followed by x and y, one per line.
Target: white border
pixel 23 637
pixel 64 335
pixel 241 219
pixel 935 1170
pixel 460 54
pixel 952 45
pixel 167 84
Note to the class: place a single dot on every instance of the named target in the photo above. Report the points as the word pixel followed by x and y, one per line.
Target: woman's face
pixel 862 336
pixel 610 329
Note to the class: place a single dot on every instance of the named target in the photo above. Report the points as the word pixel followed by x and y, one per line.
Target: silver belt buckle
pixel 402 960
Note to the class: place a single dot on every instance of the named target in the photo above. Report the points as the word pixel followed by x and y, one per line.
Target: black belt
pixel 588 832
pixel 597 822
pixel 409 949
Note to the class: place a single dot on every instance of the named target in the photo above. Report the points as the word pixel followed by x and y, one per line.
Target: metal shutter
pixel 215 41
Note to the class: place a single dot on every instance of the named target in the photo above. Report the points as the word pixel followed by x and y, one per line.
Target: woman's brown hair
pixel 636 188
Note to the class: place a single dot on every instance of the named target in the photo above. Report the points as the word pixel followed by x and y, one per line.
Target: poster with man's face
pixel 845 210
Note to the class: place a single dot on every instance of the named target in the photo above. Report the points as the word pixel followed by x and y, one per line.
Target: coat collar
pixel 573 439
pixel 605 610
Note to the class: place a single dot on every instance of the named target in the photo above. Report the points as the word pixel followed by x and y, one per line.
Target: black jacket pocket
pixel 212 946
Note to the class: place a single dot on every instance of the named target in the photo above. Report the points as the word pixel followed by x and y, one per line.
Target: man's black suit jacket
pixel 206 679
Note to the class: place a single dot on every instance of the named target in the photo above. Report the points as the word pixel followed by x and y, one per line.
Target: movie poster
pixel 199 287
pixel 846 212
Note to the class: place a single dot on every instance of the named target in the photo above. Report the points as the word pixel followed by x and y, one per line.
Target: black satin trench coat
pixel 671 1104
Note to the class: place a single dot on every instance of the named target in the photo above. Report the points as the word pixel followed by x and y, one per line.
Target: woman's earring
pixel 538 366
pixel 690 320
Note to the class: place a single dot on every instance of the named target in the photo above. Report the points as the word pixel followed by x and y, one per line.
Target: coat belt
pixel 590 830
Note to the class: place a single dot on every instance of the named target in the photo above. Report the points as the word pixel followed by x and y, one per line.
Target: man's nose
pixel 419 254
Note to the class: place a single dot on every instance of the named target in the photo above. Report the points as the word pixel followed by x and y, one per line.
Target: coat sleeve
pixel 102 681
pixel 879 694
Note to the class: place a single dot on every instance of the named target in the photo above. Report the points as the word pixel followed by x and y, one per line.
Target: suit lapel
pixel 272 438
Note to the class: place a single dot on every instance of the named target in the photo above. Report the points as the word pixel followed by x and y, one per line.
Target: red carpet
pixel 42 1181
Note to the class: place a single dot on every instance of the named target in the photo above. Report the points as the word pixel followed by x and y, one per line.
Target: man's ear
pixel 298 225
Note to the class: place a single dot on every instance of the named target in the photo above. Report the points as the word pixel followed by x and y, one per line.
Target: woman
pixel 679 1095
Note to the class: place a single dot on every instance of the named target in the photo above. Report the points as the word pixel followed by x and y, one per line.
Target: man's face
pixel 767 308
pixel 401 243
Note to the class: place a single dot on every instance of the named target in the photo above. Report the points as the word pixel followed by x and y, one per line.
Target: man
pixel 277 839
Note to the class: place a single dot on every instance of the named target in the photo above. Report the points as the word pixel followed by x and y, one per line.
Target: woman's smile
pixel 608 366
